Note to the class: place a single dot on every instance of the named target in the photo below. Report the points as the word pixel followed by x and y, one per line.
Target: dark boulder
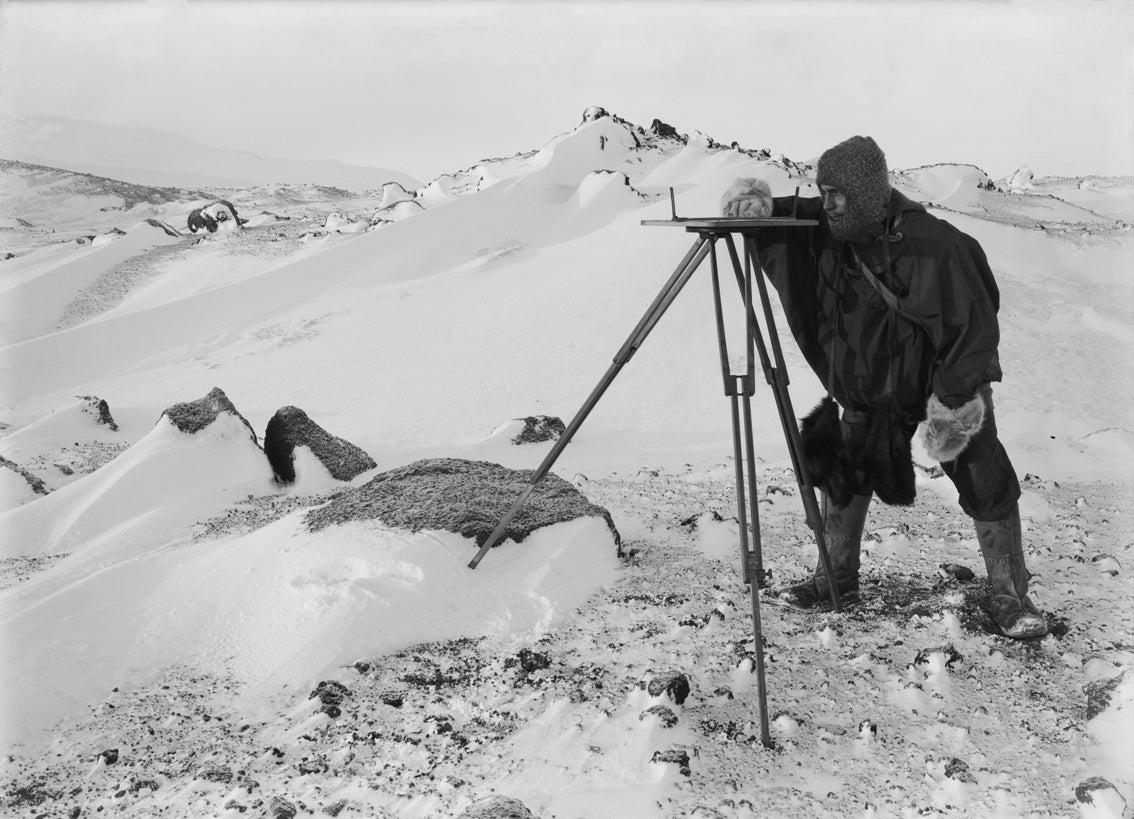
pixel 211 216
pixel 194 416
pixel 290 427
pixel 538 429
pixel 466 497
pixel 497 807
pixel 673 684
pixel 661 129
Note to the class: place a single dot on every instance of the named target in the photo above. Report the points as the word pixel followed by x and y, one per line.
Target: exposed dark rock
pixel 37 485
pixel 594 113
pixel 165 226
pixel 951 656
pixel 1099 694
pixel 675 756
pixel 109 756
pixel 661 129
pixel 100 410
pixel 1085 791
pixel 466 497
pixel 331 694
pixel 201 219
pixel 291 427
pixel 394 699
pixel 335 808
pixel 539 428
pixel 280 808
pixel 529 661
pixel 214 772
pixel 958 572
pixel 194 416
pixel 666 715
pixel 497 807
pixel 674 684
pixel 959 769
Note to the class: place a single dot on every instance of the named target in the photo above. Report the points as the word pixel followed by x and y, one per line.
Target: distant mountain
pixel 149 157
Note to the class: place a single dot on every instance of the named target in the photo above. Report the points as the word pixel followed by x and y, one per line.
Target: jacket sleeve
pixel 949 297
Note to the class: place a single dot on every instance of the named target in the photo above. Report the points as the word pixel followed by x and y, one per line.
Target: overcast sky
pixel 429 87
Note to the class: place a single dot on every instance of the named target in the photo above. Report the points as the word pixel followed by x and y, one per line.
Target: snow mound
pixel 339 223
pixel 954 186
pixel 1022 181
pixel 398 211
pixel 392 194
pixel 157 487
pixel 611 188
pixel 567 159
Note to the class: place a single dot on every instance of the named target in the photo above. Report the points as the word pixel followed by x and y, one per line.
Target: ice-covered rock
pixel 215 216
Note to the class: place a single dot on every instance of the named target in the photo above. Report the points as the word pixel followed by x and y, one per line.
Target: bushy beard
pixel 856 225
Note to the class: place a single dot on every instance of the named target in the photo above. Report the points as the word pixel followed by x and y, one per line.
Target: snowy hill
pixel 166 601
pixel 148 157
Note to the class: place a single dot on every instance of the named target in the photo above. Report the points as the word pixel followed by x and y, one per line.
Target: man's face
pixel 834 203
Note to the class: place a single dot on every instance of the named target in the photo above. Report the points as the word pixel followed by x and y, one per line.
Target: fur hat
pixel 857 167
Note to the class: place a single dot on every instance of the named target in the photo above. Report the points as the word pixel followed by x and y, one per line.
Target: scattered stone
pixel 676 756
pixel 497 807
pixel 951 656
pixel 335 808
pixel 395 699
pixel 291 427
pixel 330 692
pixel 666 715
pixel 674 684
pixel 538 429
pixel 280 808
pixel 100 410
pixel 529 661
pixel 1101 794
pixel 956 571
pixel 215 772
pixel 1099 694
pixel 313 766
pixel 232 804
pixel 466 497
pixel 867 729
pixel 109 756
pixel 959 769
pixel 193 416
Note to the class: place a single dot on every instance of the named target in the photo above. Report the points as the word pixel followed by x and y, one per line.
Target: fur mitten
pixel 825 454
pixel 885 458
pixel 947 430
pixel 747 197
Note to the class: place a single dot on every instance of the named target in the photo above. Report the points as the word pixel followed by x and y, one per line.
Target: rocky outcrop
pixel 100 410
pixel 538 429
pixel 193 416
pixel 215 216
pixel 291 427
pixel 167 228
pixel 661 129
pixel 595 112
pixel 466 497
pixel 37 485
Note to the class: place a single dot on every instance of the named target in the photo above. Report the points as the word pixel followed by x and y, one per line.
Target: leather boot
pixel 842 531
pixel 1002 544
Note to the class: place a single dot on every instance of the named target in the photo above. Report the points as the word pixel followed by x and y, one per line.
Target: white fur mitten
pixel 947 430
pixel 747 197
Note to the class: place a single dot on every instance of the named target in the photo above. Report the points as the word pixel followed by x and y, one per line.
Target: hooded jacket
pixel 942 338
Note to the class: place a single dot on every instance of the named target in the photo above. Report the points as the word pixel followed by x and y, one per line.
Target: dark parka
pixel 941 339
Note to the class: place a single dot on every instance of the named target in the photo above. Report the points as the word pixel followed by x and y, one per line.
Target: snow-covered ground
pixel 165 601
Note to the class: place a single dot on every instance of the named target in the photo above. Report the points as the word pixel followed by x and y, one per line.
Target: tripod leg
pixel 787 418
pixel 761 685
pixel 660 304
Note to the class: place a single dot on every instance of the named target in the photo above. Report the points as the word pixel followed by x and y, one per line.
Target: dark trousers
pixel 985 479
